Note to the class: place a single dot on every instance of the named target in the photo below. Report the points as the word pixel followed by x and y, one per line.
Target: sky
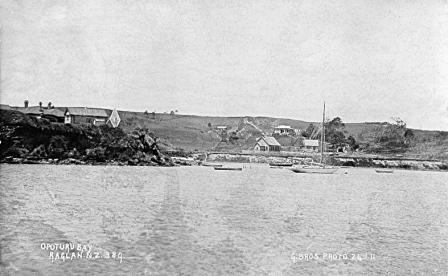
pixel 368 60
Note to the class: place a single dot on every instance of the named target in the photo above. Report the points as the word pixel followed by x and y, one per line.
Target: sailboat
pixel 318 168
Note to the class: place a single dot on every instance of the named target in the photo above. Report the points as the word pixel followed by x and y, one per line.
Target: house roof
pixel 87 111
pixel 54 112
pixel 36 110
pixel 271 141
pixel 5 107
pixel 283 126
pixel 310 143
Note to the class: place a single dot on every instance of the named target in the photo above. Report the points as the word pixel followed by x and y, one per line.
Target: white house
pixel 284 130
pixel 267 144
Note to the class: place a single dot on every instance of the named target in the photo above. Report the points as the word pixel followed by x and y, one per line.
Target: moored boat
pixel 227 169
pixel 317 170
pixel 384 170
pixel 212 165
pixel 280 164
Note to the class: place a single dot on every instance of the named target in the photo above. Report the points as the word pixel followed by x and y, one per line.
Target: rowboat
pixel 227 169
pixel 384 170
pixel 280 164
pixel 211 165
pixel 317 170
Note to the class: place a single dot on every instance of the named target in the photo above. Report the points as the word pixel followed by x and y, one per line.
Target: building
pixel 5 107
pixel 267 144
pixel 85 115
pixel 311 144
pixel 221 128
pixel 284 130
pixel 314 145
pixel 49 112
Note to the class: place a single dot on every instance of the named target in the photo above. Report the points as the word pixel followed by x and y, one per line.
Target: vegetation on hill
pixel 179 134
pixel 198 133
pixel 28 140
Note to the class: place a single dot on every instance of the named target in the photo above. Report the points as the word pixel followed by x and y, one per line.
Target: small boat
pixel 280 164
pixel 384 170
pixel 312 169
pixel 227 169
pixel 212 165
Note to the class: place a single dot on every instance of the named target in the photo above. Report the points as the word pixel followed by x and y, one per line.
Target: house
pixel 284 130
pixel 50 112
pixel 267 144
pixel 314 145
pixel 311 144
pixel 85 115
pixel 221 128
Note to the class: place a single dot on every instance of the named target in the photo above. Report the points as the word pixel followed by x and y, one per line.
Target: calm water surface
pixel 197 221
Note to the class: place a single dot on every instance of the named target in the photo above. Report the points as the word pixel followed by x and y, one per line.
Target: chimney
pixel 26 103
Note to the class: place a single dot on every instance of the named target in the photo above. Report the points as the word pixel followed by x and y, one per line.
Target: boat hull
pixel 212 165
pixel 280 164
pixel 315 170
pixel 384 171
pixel 227 169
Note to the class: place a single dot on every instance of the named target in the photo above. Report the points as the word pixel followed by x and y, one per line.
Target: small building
pixel 311 144
pixel 284 130
pixel 221 128
pixel 85 115
pixel 267 144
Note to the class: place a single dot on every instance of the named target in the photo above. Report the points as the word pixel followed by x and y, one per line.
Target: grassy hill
pixel 198 133
pixel 192 133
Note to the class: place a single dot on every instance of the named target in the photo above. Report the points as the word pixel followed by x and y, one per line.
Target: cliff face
pixel 26 139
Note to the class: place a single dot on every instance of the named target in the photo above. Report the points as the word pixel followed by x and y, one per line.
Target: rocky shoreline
pixel 362 161
pixel 28 140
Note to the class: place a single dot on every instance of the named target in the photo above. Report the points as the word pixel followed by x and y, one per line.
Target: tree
pixel 351 142
pixel 392 137
pixel 336 123
pixel 334 132
pixel 309 131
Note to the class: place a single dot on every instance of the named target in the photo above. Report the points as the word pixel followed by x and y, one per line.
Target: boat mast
pixel 322 137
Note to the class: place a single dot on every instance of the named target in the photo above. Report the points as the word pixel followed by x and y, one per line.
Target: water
pixel 197 221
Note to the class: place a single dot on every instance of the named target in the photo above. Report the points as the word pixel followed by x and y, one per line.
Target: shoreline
pixel 343 162
pixel 340 161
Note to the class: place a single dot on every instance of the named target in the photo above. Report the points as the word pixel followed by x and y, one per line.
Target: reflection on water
pixel 197 221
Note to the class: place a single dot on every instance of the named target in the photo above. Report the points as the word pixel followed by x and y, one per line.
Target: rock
pixel 74 153
pixel 38 152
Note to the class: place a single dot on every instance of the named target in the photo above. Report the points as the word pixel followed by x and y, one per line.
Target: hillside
pixel 199 133
pixel 193 133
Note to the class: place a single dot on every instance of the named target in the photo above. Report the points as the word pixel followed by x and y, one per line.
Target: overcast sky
pixel 369 60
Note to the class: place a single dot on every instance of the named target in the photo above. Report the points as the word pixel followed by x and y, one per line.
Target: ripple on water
pixel 195 221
